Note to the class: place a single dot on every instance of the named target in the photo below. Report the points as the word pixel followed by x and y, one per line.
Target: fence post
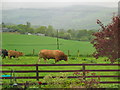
pixel 11 79
pixel 33 52
pixel 68 52
pixel 37 73
pixel 83 68
pixel 78 53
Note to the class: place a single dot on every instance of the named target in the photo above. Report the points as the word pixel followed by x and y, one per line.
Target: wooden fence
pixel 68 52
pixel 37 71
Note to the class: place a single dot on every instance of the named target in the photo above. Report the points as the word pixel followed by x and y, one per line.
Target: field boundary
pixel 37 71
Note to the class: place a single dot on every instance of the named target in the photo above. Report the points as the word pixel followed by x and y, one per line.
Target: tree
pixel 29 29
pixel 81 33
pixel 3 25
pixel 67 36
pixel 50 31
pixel 107 40
pixel 41 29
pixel 61 33
pixel 22 28
pixel 28 24
pixel 72 33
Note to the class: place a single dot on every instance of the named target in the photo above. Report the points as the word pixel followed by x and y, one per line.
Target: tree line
pixel 71 34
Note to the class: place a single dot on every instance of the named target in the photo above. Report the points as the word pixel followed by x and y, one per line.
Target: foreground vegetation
pixel 72 60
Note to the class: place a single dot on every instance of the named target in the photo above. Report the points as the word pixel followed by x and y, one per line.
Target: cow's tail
pixel 38 58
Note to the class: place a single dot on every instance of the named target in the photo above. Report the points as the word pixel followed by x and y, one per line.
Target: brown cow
pixel 3 53
pixel 52 54
pixel 14 54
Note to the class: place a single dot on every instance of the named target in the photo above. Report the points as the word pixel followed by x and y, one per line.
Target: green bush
pixel 64 82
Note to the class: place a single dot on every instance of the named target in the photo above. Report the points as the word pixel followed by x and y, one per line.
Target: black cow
pixel 4 53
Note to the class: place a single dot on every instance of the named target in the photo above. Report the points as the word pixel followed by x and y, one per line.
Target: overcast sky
pixel 12 4
pixel 59 0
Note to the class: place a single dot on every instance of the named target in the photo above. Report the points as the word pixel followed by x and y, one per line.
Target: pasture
pixel 26 44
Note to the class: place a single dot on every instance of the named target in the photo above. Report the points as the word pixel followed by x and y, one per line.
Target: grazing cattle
pixel 14 54
pixel 3 53
pixel 52 54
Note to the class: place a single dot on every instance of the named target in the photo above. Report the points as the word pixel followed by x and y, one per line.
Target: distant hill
pixel 72 17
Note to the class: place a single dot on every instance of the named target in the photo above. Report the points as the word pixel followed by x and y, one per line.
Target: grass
pixel 78 60
pixel 26 44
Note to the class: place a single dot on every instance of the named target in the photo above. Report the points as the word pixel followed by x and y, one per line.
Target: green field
pixel 77 60
pixel 26 44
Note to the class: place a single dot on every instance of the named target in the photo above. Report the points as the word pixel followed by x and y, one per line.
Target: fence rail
pixel 56 71
pixel 60 64
pixel 37 71
pixel 55 76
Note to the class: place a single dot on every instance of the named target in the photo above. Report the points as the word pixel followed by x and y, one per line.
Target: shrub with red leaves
pixel 39 83
pixel 88 83
pixel 107 40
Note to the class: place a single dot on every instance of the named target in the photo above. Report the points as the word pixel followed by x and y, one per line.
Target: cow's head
pixel 21 54
pixel 65 58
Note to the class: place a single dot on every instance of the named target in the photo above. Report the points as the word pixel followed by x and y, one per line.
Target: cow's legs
pixel 3 56
pixel 56 60
pixel 16 57
pixel 39 59
pixel 9 57
pixel 45 60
